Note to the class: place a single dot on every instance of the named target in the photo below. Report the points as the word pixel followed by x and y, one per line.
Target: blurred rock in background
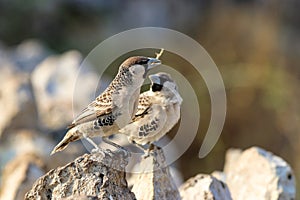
pixel 28 54
pixel 36 99
pixel 54 82
pixel 204 186
pixel 19 175
pixel 258 174
pixel 17 102
pixel 250 174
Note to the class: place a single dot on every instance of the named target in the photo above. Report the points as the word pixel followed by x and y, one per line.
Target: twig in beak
pixel 158 55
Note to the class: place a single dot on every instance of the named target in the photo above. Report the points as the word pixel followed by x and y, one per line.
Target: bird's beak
pixel 153 62
pixel 154 78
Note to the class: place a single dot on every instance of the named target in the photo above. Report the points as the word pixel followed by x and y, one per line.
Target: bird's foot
pixel 124 151
pixel 146 155
pixel 148 151
pixel 97 151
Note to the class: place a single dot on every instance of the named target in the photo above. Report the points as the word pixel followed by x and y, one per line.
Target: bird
pixel 112 109
pixel 158 112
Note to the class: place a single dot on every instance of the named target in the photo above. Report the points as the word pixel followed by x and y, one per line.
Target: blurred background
pixel 255 44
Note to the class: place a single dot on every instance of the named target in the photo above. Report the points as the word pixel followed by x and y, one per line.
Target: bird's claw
pixel 125 153
pixel 98 150
pixel 146 155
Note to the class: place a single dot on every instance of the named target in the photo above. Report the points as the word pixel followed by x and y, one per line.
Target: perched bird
pixel 158 111
pixel 114 108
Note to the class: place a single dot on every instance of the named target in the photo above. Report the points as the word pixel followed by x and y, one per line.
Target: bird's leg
pixel 139 145
pixel 149 149
pixel 96 149
pixel 154 150
pixel 143 148
pixel 92 143
pixel 108 141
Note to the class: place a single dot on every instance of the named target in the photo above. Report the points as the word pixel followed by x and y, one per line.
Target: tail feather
pixel 72 135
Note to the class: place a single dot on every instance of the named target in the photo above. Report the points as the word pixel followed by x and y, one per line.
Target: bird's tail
pixel 72 135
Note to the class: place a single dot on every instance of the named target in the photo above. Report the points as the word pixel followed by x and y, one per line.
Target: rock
pixel 92 175
pixel 258 174
pixel 28 141
pixel 16 100
pixel 80 197
pixel 232 156
pixel 19 174
pixel 206 187
pixel 53 82
pixel 25 141
pixel 221 176
pixel 20 142
pixel 154 181
pixel 28 54
pixel 3 53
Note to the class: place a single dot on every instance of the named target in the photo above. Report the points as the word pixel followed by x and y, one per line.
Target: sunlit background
pixel 255 44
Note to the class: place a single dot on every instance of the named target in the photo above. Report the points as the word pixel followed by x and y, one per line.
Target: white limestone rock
pixel 16 99
pixel 90 176
pixel 27 55
pixel 258 174
pixel 19 174
pixel 154 180
pixel 206 187
pixel 221 176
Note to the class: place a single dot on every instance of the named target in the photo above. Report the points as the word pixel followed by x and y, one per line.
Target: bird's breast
pixel 126 104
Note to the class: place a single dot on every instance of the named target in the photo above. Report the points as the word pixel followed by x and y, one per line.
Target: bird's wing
pixel 147 124
pixel 144 104
pixel 100 107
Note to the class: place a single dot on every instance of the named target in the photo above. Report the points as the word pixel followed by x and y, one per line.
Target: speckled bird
pixel 114 108
pixel 158 112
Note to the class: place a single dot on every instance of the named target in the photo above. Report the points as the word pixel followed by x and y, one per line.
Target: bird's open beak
pixel 153 62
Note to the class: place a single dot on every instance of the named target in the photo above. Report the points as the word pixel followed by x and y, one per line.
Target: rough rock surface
pixel 80 197
pixel 154 181
pixel 19 174
pixel 258 174
pixel 92 175
pixel 204 187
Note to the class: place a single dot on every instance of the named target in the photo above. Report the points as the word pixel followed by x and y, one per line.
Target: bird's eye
pixel 142 62
pixel 156 87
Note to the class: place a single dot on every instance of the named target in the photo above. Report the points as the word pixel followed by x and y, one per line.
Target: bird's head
pixel 166 86
pixel 162 82
pixel 140 65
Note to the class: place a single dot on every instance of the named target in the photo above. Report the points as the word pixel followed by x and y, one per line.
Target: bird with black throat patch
pixel 158 112
pixel 114 108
